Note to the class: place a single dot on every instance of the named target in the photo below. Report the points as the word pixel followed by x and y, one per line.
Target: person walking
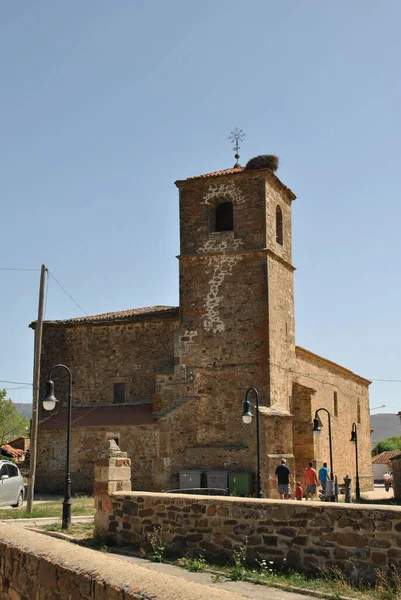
pixel 311 481
pixel 299 493
pixel 324 476
pixel 283 474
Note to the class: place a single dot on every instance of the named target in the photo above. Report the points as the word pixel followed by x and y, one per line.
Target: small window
pixel 279 226
pixel 225 217
pixel 335 397
pixel 119 393
pixel 358 412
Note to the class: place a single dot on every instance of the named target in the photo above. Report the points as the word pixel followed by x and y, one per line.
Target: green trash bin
pixel 240 484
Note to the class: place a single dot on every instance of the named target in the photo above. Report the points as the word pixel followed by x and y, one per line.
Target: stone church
pixel 168 383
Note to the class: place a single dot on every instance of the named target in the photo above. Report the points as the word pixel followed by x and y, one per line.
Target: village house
pixel 168 383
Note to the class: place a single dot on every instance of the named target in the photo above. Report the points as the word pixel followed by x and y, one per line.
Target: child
pixel 299 491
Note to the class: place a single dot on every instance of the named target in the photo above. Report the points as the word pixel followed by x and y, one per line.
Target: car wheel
pixel 20 501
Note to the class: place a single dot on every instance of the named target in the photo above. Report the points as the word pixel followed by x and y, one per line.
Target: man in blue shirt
pixel 323 476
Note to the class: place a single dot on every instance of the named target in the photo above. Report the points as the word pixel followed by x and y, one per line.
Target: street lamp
pixel 354 438
pixel 247 417
pixel 49 402
pixel 316 431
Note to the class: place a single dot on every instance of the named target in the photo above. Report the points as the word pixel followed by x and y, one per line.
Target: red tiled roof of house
pixel 98 415
pixel 384 458
pixel 133 314
pixel 12 451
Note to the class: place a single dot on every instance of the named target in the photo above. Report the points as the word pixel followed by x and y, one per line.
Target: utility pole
pixel 36 383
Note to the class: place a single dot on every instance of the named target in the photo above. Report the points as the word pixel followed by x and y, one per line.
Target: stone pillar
pixel 396 467
pixel 112 474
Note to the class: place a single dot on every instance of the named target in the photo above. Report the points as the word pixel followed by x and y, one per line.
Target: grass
pixel 81 505
pixel 80 531
pixel 330 581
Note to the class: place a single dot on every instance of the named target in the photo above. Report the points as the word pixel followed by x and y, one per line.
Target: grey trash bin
pixel 217 479
pixel 190 478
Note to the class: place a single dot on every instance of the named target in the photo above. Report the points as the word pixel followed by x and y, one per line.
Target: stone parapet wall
pixel 34 566
pixel 304 535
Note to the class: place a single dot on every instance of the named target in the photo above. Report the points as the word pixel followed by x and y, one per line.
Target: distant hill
pixel 25 410
pixel 385 425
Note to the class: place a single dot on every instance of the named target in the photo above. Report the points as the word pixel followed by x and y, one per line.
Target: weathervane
pixel 235 138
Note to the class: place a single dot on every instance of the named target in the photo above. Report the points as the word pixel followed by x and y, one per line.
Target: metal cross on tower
pixel 235 138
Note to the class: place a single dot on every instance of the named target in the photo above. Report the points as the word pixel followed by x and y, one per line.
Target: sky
pixel 105 104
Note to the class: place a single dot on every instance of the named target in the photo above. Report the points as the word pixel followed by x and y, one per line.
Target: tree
pixel 391 443
pixel 12 424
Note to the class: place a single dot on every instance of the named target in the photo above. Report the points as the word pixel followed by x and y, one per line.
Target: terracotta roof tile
pixel 98 415
pixel 15 452
pixel 134 314
pixel 384 458
pixel 221 172
pixel 235 170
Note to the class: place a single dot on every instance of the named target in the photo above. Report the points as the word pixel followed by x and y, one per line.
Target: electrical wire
pixel 10 269
pixel 69 295
pixel 16 382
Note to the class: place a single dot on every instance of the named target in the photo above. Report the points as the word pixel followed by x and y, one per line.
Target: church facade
pixel 168 383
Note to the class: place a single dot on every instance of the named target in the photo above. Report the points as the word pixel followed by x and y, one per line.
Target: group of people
pixel 311 481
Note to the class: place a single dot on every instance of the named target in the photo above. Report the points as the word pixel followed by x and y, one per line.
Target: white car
pixel 11 484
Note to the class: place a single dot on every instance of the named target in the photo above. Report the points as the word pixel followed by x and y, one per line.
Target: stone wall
pixel 316 381
pixel 304 535
pixel 102 354
pixel 34 566
pixel 87 444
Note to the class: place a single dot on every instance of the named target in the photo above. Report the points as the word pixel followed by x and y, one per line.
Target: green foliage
pixel 239 571
pixel 389 444
pixel 194 564
pixel 157 544
pixel 12 424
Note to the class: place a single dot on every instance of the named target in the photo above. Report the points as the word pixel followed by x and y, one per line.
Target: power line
pixel 16 382
pixel 10 269
pixel 388 380
pixel 69 295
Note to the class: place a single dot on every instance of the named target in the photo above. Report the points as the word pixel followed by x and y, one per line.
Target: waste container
pixel 240 484
pixel 190 478
pixel 217 479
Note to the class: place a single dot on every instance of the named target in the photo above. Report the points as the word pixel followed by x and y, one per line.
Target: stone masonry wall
pixel 323 378
pixel 100 355
pixel 87 444
pixel 305 535
pixel 34 566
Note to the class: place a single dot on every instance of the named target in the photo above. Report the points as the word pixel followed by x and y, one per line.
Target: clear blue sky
pixel 105 104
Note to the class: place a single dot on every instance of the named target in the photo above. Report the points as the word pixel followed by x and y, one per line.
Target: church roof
pixel 240 171
pixel 98 416
pixel 133 314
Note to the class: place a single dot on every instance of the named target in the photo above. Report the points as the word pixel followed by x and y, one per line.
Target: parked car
pixel 11 484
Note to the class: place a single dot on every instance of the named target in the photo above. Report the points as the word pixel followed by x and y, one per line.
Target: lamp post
pixel 49 402
pixel 247 418
pixel 354 438
pixel 316 431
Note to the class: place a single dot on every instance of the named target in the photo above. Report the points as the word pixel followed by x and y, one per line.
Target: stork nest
pixel 264 161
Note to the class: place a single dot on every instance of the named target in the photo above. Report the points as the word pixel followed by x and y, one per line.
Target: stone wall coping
pixel 111 571
pixel 301 507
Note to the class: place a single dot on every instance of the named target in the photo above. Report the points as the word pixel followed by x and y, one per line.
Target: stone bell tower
pixel 237 301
